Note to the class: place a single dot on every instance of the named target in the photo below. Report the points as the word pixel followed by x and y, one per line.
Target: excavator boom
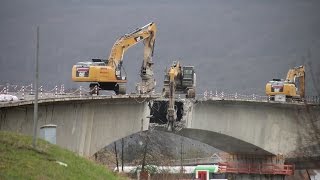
pixel 293 74
pixel 122 44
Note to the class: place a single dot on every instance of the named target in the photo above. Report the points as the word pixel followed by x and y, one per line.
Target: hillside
pixel 18 160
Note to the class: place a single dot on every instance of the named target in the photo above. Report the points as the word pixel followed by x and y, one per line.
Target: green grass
pixel 18 160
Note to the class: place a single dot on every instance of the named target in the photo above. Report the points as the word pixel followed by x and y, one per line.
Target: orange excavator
pixel 178 79
pixel 292 88
pixel 108 74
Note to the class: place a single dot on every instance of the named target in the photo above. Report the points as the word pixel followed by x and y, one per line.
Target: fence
pixel 27 93
pixel 210 95
pixel 278 169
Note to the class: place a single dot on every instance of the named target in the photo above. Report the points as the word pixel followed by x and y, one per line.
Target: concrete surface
pixel 256 127
pixel 83 126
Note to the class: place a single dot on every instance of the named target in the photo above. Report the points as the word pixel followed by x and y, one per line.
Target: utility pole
pixel 122 145
pixel 181 155
pixel 115 151
pixel 145 149
pixel 35 112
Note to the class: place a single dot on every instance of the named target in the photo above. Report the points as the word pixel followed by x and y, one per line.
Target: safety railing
pixel 25 92
pixel 242 168
pixel 216 95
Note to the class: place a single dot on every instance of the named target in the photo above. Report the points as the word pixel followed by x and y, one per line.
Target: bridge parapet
pixel 26 92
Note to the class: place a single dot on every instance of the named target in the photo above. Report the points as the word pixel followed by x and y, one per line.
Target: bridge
pixel 234 123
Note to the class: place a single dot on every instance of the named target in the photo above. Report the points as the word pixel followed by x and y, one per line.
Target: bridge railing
pixel 234 96
pixel 26 92
pixel 215 95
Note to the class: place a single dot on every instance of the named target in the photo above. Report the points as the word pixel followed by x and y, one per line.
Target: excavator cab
pixel 184 80
pixel 100 62
pixel 188 76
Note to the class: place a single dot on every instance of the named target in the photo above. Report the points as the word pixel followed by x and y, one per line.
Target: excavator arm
pixel 173 72
pixel 297 72
pixel 148 83
pixel 147 35
pixel 178 79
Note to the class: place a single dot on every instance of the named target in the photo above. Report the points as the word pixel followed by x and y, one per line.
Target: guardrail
pixel 234 96
pixel 27 92
pixel 210 95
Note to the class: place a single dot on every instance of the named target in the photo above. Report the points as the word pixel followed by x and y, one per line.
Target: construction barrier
pixel 242 168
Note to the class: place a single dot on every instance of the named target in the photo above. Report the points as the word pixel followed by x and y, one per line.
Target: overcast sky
pixel 235 45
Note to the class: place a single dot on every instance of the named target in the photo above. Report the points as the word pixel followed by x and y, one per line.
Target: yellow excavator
pixel 108 74
pixel 292 88
pixel 178 79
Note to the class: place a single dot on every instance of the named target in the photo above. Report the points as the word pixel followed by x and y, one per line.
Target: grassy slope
pixel 18 160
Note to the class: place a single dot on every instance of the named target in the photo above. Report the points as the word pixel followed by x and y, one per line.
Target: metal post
pixel 7 88
pixel 116 152
pixel 35 113
pixel 22 92
pixel 80 91
pixel 56 91
pixel 31 89
pixel 145 152
pixel 181 155
pixel 205 94
pixel 62 88
pixel 122 157
pixel 41 91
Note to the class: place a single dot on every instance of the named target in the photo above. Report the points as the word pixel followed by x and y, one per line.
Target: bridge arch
pixel 223 142
pixel 277 128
